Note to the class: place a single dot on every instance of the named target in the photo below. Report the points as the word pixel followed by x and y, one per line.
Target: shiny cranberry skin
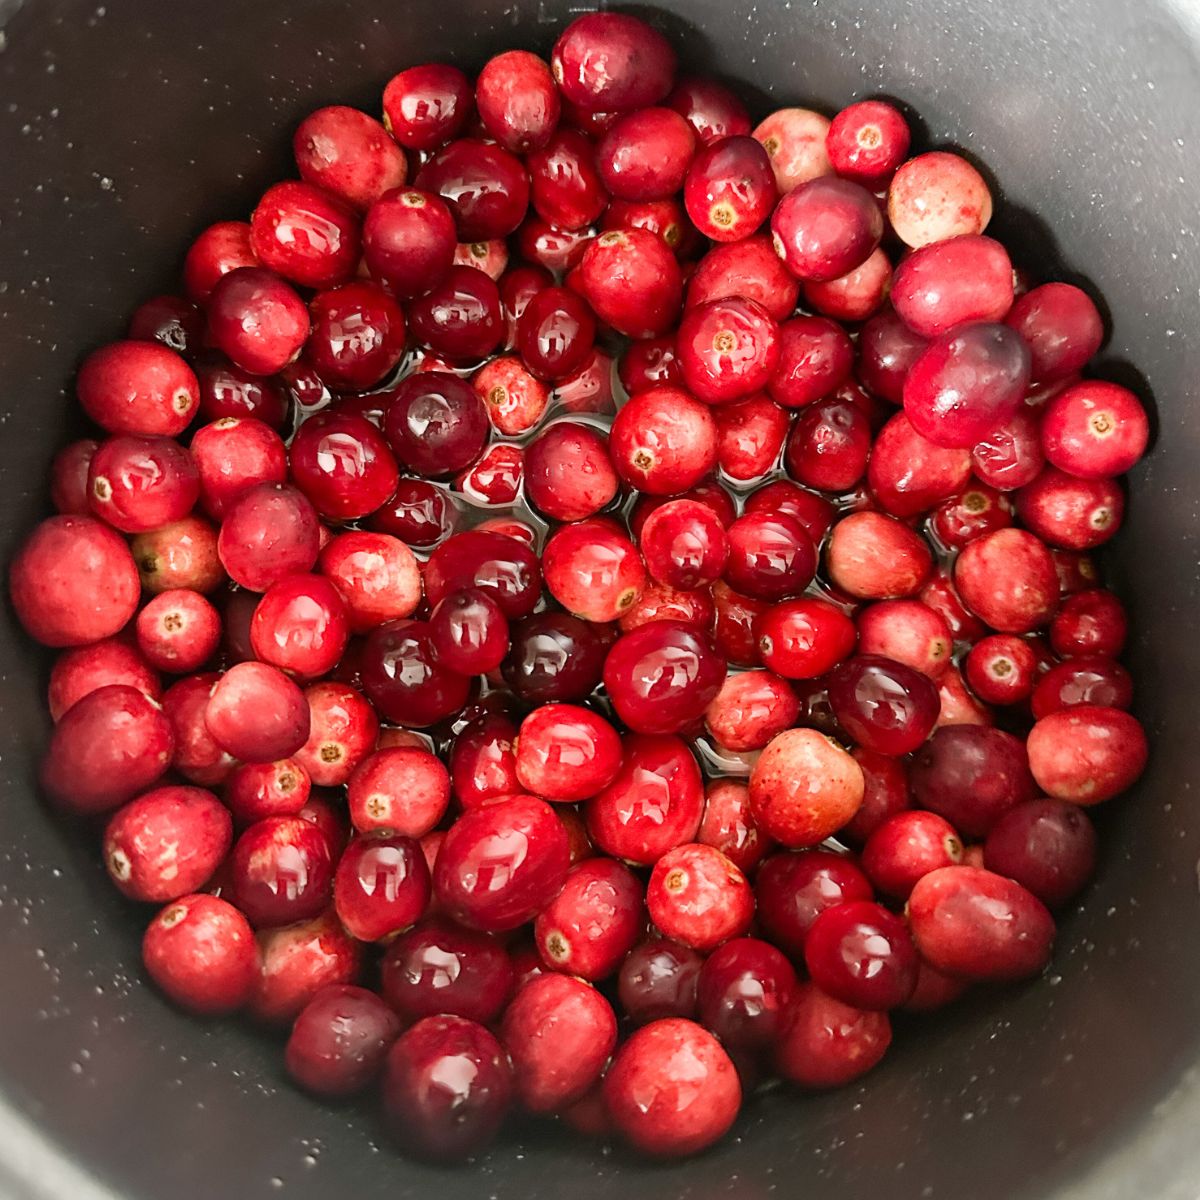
pixel 233 455
pixel 565 187
pixel 257 714
pixel 663 441
pixel 566 753
pixel 684 544
pixel 553 657
pixel 593 570
pixel 771 556
pixel 959 706
pixel 514 397
pixel 972 775
pixel 861 954
pixel 381 886
pixel 906 847
pixel 1095 681
pixel 707 491
pixel 815 358
pixel 1047 846
pixel 829 445
pixel 140 388
pixel 733 625
pixel 517 100
pixel 794 889
pixel 654 804
pixel 949 283
pixel 712 109
pixel 887 349
pixel 255 791
pixel 517 288
pixel 139 483
pixel 856 295
pixel 909 474
pixel 814 512
pixel 730 188
pixel 470 632
pixel 461 316
pixel 826 227
pixel 727 349
pixel 404 679
pixel 409 241
pixel 486 187
pixel 977 511
pixel 1087 754
pixel 612 62
pixel 748 268
pixel 867 141
pixel 282 871
pixel 300 626
pixel 698 897
pixel 937 197
pixel 348 153
pixel 357 335
pixel 447 1087
pixel 228 391
pixel 658 979
pixel 662 677
pixel 1089 623
pixel 436 424
pixel 425 106
pixel 658 603
pixel 306 234
pixel 555 333
pixel 1007 579
pixel 344 731
pixel 398 789
pixel 440 967
pixel 665 218
pixel 257 320
pixel 568 474
pixel 79 672
pixel 804 788
pixel 632 282
pixel 974 924
pixel 590 926
pixel 499 565
pixel 198 758
pixel 875 557
pixel 728 824
pixel 745 988
pixel 751 433
pixel 907 632
pixel 825 1043
pixel 500 864
pixel 342 463
pixel 297 962
pixel 376 575
pixel 650 363
pixel 645 154
pixel 750 709
pixel 1095 430
pixel 221 248
pixel 882 704
pixel 1061 326
pixel 1001 668
pixel 1010 456
pixel 805 638
pixel 1075 514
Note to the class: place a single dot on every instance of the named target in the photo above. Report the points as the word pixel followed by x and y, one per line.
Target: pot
pixel 126 127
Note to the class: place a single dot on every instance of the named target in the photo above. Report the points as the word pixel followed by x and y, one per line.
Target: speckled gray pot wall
pixel 127 127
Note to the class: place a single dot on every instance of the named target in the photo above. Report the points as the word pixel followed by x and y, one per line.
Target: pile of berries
pixel 531 539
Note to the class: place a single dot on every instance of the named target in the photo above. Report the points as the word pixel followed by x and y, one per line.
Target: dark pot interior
pixel 124 129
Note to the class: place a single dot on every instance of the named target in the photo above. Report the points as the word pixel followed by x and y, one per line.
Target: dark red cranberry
pixel 730 188
pixel 648 364
pixel 885 793
pixel 826 227
pixel 632 281
pixel 862 954
pixel 977 511
pixel 814 512
pixel 282 871
pixel 436 424
pixel 402 676
pixel 1061 326
pixel 829 445
pixel 565 187
pixel 887 349
pixel 815 358
pixel 553 657
pixel 557 250
pixel 884 705
pixel 257 320
pixel 459 317
pixel 867 141
pixel 425 106
pixel 794 889
pixel 69 476
pixel 937 198
pixel 612 62
pixel 733 625
pixel 495 479
pixel 744 989
pixel 498 564
pixel 175 322
pixel 825 1043
pixel 486 187
pixel 1047 846
pixel 555 333
pixel 409 241
pixel 357 335
pixel 771 556
pixel 470 632
pixel 658 979
pixel 711 108
pixel 1087 754
pixel 517 288
pixel 221 248
pixel 418 513
pixel 568 474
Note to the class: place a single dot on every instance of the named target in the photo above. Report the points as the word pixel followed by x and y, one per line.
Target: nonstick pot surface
pixel 126 128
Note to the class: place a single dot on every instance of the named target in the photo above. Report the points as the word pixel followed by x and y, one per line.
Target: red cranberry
pixel 829 445
pixel 934 990
pixel 1087 754
pixel 593 570
pixel 663 441
pixel 555 333
pixel 650 363
pixel 867 141
pixel 804 788
pixel 887 349
pixel 748 268
pixel 948 283
pixel 1095 430
pixel 348 153
pixel 486 187
pixel 305 234
pixel 803 639
pixel 750 709
pixel 1047 846
pixel 856 295
pixel 684 544
pixel 197 757
pixel 515 399
pixel 344 729
pixel 137 483
pixel 79 672
pixel 885 793
pixel 612 62
pixel 436 423
pixel 771 556
pixel 745 987
pixel 1010 456
pixel 178 631
pixel 882 704
pixel 553 657
pixel 470 632
pixel 139 388
pixel 400 789
pixel 517 288
pixel 712 109
pixel 727 349
pixel 233 455
pixel 255 791
pixel 357 335
pixel 907 632
pixel 707 492
pixel 447 1086
pixel 632 282
pixel 906 847
pixel 282 871
pixel 975 512
pixel 654 804
pixel 939 594
pixel 343 465
pixel 825 1043
pixel 403 678
pixel 976 925
pixel 861 954
pixel 257 714
pixel 751 433
pixel 69 477
pixel 228 391
pixel 257 320
pixel 730 188
pixel 200 951
pixel 376 576
pixel 175 322
pixel 419 514
pixel 339 1041
pixel 1007 579
pixel 698 897
pixel 1089 623
pixel 409 241
pixel 300 626
pixel 381 886
pixel 728 824
pixel 1061 326
pixel 1076 514
pixel 794 139
pixel 565 187
pixel 794 889
pixel 590 389
pixel 971 775
pixel 559 1033
pixel 499 565
pixel 1000 669
pixel 517 100
pixel 959 706
pixel 221 248
pixel 297 962
pixel 909 474
pixel 460 316
pixel 733 631
pixel 665 218
pixel 645 154
pixel 1094 681
pixel 815 358
pixel 427 105
pixel 938 196
pixel 568 474
pixel 557 250
pixel 662 677
pixel 567 753
pixel 483 763
pixel 826 227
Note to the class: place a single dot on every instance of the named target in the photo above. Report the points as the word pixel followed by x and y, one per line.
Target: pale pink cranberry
pixel 73 581
pixel 269 532
pixel 815 358
pixel 727 349
pixel 1094 430
pixel 1087 623
pixel 749 268
pixel 589 927
pixel 710 108
pixel 297 962
pixel 349 154
pixel 949 283
pixel 696 896
pixel 730 189
pixel 1062 327
pixel 825 1043
pixel 959 706
pixel 684 544
pixel 937 196
pixel 909 474
pixel 200 951
pixel 343 729
pixel 138 388
pixel 198 758
pixel 663 441
pixel 908 632
pixel 867 141
pixel 399 789
pixel 517 100
pixel 804 788
pixel 826 227
pixel 794 139
pixel 565 187
pixel 300 626
pixel 1087 754
pixel 593 570
pixel 977 925
pixel 856 295
pixel 166 843
pixel 566 753
pixel 78 672
pixel 750 434
pixel 1095 681
pixel 255 791
pixel 514 398
pixel 427 105
pixel 632 282
pixel 376 576
pixel 1075 514
pixel 107 747
pixel 750 709
pixel 178 631
pixel 829 445
pixel 612 62
pixel 1047 846
pixel 182 554
pixel 257 320
pixel 1007 579
pixel 568 473
pixel 1001 669
pixel 645 154
pixel 221 248
pixel 305 234
pixel 875 557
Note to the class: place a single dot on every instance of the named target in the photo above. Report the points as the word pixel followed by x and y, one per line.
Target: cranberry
pixel 826 227
pixel 1000 669
pixel 555 333
pixel 794 889
pixel 730 188
pixel 972 775
pixel 69 477
pixel 568 474
pixel 517 288
pixel 684 544
pixel 282 871
pixel 171 320
pixel 486 187
pixel 1089 623
pixel 662 677
pixel 300 626
pixel 748 268
pixel 938 196
pixel 867 141
pixel 257 320
pixel 139 388
pixel 1047 846
pixel 856 295
pixel 409 241
pixel 934 990
pixel 977 925
pixel 654 804
pixel 344 729
pixel 770 556
pixel 861 954
pixel 727 349
pixel 1061 326
pixel 460 317
pixel 200 950
pixel 632 282
pixel 348 153
pixel 882 704
pixel 297 962
pixel 959 706
pixel 517 100
pixel 495 479
pixel 357 335
pixel 1076 514
pixel 751 433
pixel 257 714
pixel 712 109
pixel 829 445
pixel 1087 754
pixel 874 557
pixel 1007 579
pixel 948 283
pixel 909 474
pixel 470 632
pixel 197 757
pixel 803 639
pixel 376 576
pixel 1093 681
pixel 939 594
pixel 221 248
pixel 79 672
pixel 255 791
pixel 447 1086
pixel 381 887
pixel 645 154
pixel 403 678
pixel 553 657
pixel 663 441
pixel 515 399
pixel 658 979
pixel 137 483
pixel 975 512
pixel 590 389
pixel 231 456
pixel 907 632
pixel 825 1043
pixel 885 793
pixel 1095 430
pixel 728 824
pixel 665 218
pixel 593 570
pixel 178 631
pixel 794 139
pixel 707 492
pixel 565 187
pixel 499 565
pixel 750 709
pixel 399 789
pixel 887 349
pixel 436 423
pixel 650 363
pixel 734 624
pixel 815 358
pixel 567 753
pixel 906 847
pixel 1010 456
pixel 612 62
pixel 306 234
pixel 427 105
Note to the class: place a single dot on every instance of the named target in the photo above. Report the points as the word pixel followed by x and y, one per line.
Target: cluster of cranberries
pixel 532 626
